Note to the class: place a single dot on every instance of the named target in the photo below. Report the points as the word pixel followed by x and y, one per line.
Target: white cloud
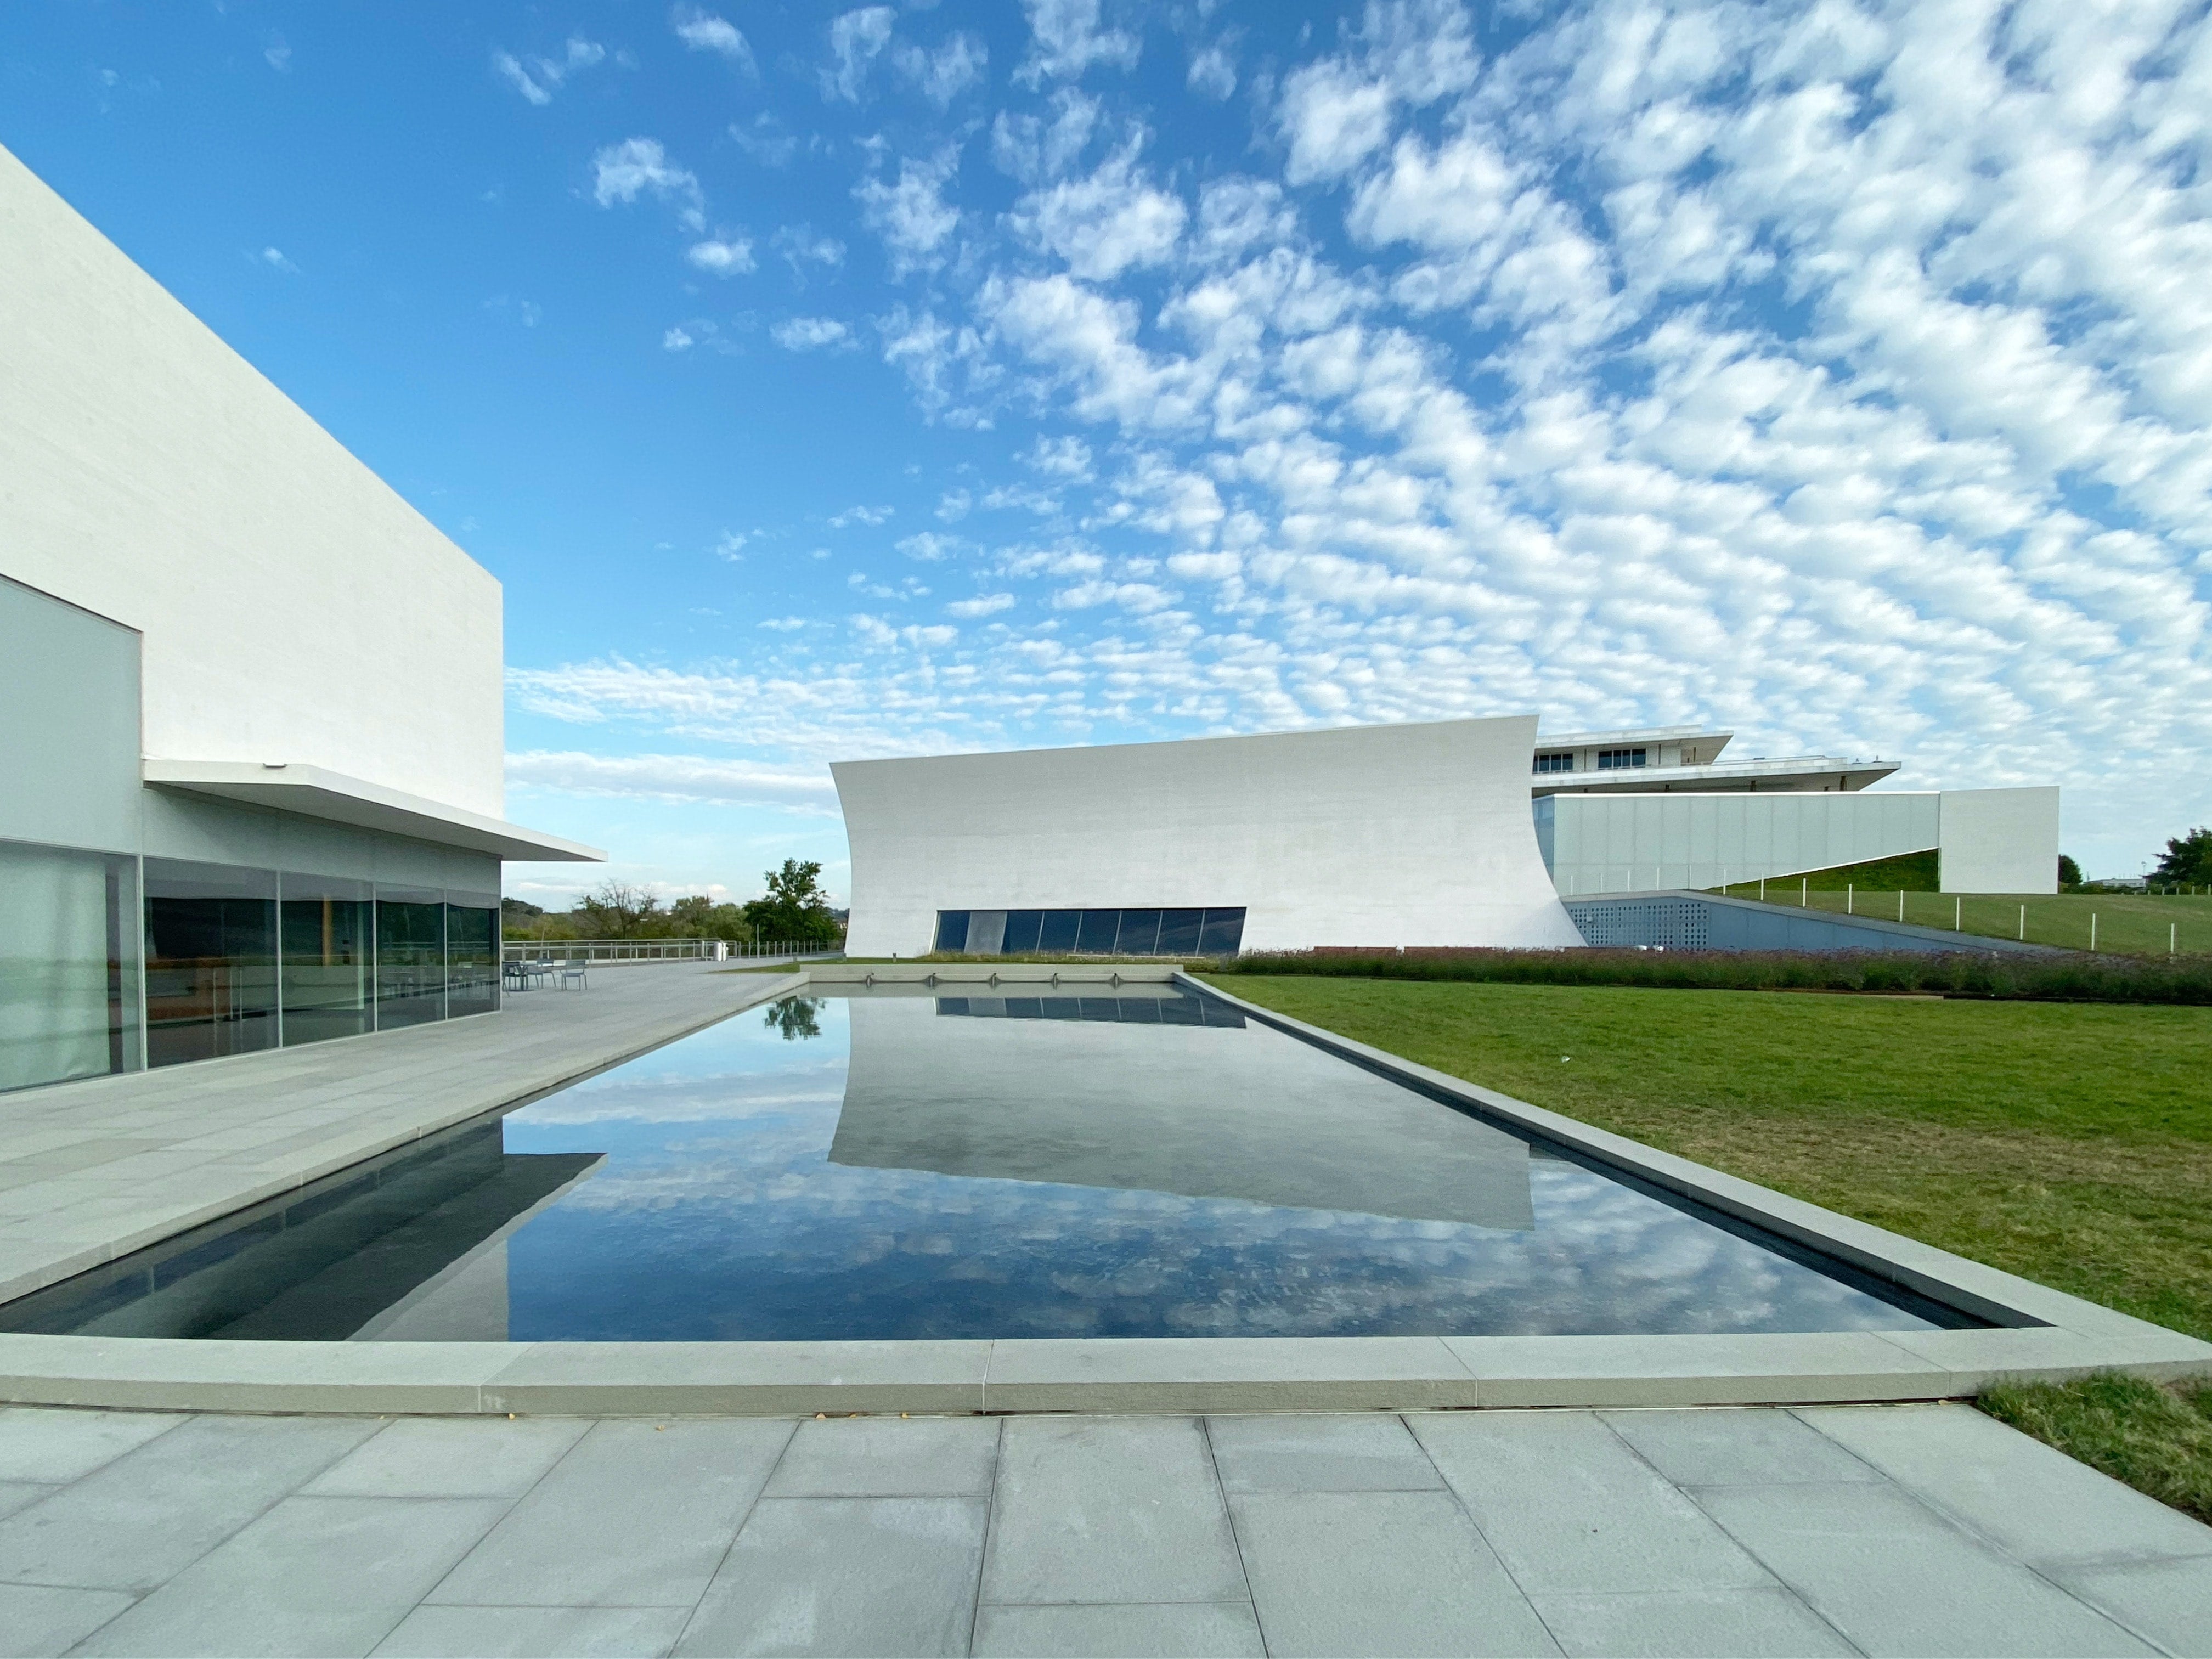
pixel 765 140
pixel 857 38
pixel 704 32
pixel 1067 37
pixel 539 78
pixel 732 546
pixel 911 214
pixel 985 605
pixel 722 258
pixel 809 333
pixel 677 339
pixel 1212 71
pixel 943 75
pixel 274 258
pixel 1103 225
pixel 278 55
pixel 1064 457
pixel 801 245
pixel 783 624
pixel 676 778
pixel 639 167
pixel 929 545
pixel 1037 150
pixel 867 515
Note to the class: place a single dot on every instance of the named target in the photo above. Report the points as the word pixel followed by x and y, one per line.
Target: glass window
pixel 1096 936
pixel 1056 934
pixel 1555 762
pixel 1140 935
pixel 471 958
pixel 1179 932
pixel 952 931
pixel 1613 760
pixel 210 961
pixel 1023 928
pixel 410 957
pixel 68 965
pixel 1223 933
pixel 327 959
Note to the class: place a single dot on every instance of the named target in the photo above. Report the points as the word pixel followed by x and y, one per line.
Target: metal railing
pixel 659 949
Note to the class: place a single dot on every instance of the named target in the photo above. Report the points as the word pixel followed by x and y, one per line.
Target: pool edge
pixel 2043 1335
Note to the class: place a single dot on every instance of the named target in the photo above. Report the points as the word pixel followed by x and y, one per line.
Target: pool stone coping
pixel 2041 1335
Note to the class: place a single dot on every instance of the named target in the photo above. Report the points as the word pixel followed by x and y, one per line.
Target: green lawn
pixel 2132 923
pixel 2070 1143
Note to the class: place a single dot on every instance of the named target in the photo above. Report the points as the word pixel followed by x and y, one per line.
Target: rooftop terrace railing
pixel 661 950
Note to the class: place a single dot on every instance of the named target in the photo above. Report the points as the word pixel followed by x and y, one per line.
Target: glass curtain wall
pixel 68 965
pixel 1218 932
pixel 328 958
pixel 210 961
pixel 410 957
pixel 472 954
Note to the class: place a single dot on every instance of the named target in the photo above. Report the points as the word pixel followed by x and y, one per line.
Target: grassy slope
pixel 2068 1143
pixel 2128 922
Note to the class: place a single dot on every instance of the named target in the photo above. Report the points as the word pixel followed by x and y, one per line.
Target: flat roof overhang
pixel 1799 774
pixel 311 791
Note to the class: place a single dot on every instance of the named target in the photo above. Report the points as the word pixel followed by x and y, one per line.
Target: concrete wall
pixel 1636 843
pixel 1386 835
pixel 2000 841
pixel 1991 841
pixel 294 607
pixel 68 724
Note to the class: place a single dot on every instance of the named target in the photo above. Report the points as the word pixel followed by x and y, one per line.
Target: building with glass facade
pixel 251 788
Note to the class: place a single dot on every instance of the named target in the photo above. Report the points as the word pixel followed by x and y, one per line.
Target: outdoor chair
pixel 574 972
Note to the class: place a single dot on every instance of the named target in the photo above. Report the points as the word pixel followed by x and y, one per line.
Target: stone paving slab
pixel 1520 1532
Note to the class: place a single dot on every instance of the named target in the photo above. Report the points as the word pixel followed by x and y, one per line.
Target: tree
pixel 616 909
pixel 2069 874
pixel 794 909
pixel 2188 858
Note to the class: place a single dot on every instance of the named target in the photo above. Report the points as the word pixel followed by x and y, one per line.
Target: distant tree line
pixel 793 909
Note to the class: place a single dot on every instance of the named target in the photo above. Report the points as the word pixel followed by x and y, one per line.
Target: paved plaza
pixel 1911 1530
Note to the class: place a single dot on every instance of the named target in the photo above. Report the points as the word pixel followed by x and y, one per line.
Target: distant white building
pixel 1658 808
pixel 1456 833
pixel 251 788
pixel 1376 835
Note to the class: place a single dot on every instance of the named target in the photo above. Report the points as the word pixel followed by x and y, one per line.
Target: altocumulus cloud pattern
pixel 1840 372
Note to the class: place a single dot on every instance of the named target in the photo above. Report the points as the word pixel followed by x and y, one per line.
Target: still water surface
pixel 892 1163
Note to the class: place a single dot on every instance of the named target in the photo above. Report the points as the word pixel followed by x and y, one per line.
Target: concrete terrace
pixel 92 1171
pixel 1914 1529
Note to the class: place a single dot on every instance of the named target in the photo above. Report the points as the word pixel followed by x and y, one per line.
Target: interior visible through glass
pixel 1035 1162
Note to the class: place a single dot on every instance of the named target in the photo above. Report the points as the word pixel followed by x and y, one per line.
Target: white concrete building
pixel 1377 836
pixel 1659 807
pixel 250 700
pixel 1986 840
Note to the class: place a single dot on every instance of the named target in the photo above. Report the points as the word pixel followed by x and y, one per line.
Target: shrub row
pixel 2074 977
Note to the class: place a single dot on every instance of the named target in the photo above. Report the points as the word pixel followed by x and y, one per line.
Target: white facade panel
pixel 2000 841
pixel 1381 836
pixel 294 608
pixel 1639 843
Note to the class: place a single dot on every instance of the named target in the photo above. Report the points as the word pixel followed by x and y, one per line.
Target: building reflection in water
pixel 1030 1084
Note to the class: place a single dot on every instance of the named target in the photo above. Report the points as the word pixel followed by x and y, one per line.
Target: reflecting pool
pixel 896 1163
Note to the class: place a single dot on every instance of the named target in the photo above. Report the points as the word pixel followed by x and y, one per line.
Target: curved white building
pixel 1371 835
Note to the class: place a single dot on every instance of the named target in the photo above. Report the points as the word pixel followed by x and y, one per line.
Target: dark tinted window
pixel 1223 933
pixel 210 961
pixel 1095 937
pixel 1140 935
pixel 951 930
pixel 1179 932
pixel 1023 928
pixel 1056 936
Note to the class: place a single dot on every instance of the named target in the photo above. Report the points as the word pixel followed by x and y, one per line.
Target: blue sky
pixel 828 384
